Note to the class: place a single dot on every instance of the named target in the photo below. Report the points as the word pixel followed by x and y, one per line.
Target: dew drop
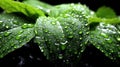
pixel 104 35
pixel 66 27
pixel 18 37
pixel 80 32
pixel 7 33
pixel 7 27
pixel 24 26
pixel 70 36
pixel 30 25
pixel 80 38
pixel 60 56
pixel 118 38
pixel 1 22
pixel 20 32
pixel 53 23
pixel 15 22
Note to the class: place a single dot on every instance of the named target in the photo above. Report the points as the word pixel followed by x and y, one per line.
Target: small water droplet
pixel 24 26
pixel 18 37
pixel 60 56
pixel 104 35
pixel 70 36
pixel 20 32
pixel 45 30
pixel 15 22
pixel 80 32
pixel 30 25
pixel 66 27
pixel 53 23
pixel 7 33
pixel 7 27
pixel 118 38
pixel 80 38
pixel 108 40
pixel 1 22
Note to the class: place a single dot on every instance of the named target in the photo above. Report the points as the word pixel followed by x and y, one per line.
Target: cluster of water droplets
pixel 106 37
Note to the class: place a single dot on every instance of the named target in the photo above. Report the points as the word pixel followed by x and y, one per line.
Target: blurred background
pixel 30 56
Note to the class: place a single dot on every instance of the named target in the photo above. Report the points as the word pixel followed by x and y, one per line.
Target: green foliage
pixel 61 34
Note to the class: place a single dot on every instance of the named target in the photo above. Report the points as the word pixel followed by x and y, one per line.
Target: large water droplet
pixel 7 33
pixel 20 32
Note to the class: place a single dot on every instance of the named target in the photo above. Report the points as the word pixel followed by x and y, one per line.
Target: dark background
pixel 30 56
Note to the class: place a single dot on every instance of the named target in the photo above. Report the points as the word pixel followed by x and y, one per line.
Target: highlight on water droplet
pixel 80 32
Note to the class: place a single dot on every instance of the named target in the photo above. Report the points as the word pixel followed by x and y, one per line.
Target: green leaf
pixel 15 6
pixel 15 38
pixel 59 9
pixel 105 12
pixel 9 21
pixel 106 38
pixel 49 36
pixel 64 37
pixel 39 4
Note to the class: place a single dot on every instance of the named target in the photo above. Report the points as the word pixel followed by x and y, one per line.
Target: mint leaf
pixel 9 21
pixel 63 37
pixel 106 38
pixel 39 4
pixel 15 38
pixel 59 9
pixel 50 37
pixel 14 6
pixel 105 12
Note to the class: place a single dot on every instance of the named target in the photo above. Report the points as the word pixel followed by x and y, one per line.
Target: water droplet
pixel 70 36
pixel 109 40
pixel 30 25
pixel 60 56
pixel 1 22
pixel 104 35
pixel 20 32
pixel 66 27
pixel 57 44
pixel 18 37
pixel 7 27
pixel 80 38
pixel 7 33
pixel 80 32
pixel 45 30
pixel 53 23
pixel 24 26
pixel 118 39
pixel 15 22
